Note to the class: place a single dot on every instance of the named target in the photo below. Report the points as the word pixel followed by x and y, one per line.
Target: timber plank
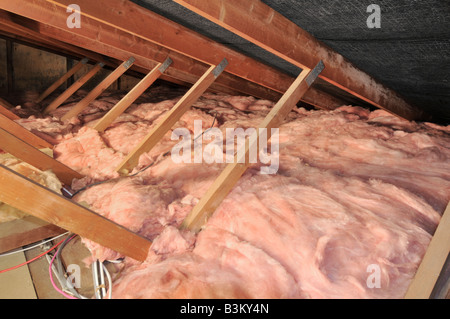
pixel 4 111
pixel 34 199
pixel 126 101
pixel 6 104
pixel 31 155
pixel 233 171
pixel 22 133
pixel 437 252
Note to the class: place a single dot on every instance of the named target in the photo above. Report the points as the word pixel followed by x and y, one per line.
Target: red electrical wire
pixel 29 261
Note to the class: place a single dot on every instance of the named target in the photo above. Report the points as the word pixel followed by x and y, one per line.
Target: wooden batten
pixel 157 133
pixel 73 88
pixel 128 99
pixel 99 89
pixel 61 80
pixel 33 156
pixel 432 263
pixel 22 133
pixel 34 199
pixel 233 171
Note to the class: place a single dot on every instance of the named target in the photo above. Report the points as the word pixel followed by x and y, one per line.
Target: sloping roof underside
pixel 410 53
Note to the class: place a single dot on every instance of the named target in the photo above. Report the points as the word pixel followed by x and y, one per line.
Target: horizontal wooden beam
pixel 61 80
pixel 128 99
pixel 34 199
pixel 31 155
pixel 73 88
pixel 171 117
pixel 22 133
pixel 199 215
pixel 437 252
pixel 258 23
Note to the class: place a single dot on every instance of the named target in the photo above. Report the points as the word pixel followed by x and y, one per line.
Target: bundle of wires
pixel 68 290
pixel 31 247
pixel 56 269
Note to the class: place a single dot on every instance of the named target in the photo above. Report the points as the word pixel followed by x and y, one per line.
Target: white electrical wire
pixel 109 281
pixel 102 278
pixel 34 246
pixel 95 279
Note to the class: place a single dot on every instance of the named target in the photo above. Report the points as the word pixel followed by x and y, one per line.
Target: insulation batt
pixel 354 189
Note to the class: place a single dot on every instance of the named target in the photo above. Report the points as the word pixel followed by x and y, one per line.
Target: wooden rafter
pixel 61 80
pixel 126 101
pixel 4 111
pixel 107 30
pixel 31 155
pixel 437 252
pixel 99 89
pixel 34 199
pixel 171 117
pixel 233 171
pixel 6 104
pixel 22 133
pixel 73 88
pixel 258 23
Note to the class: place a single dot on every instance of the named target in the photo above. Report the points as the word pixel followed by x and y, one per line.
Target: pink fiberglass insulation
pixel 355 191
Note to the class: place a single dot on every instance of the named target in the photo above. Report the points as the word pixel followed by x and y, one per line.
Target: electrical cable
pixel 109 281
pixel 60 272
pixel 51 273
pixel 34 246
pixel 98 284
pixel 33 259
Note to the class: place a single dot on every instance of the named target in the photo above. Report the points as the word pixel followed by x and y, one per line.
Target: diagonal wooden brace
pixel 126 101
pixel 61 80
pixel 199 215
pixel 31 155
pixel 34 199
pixel 171 117
pixel 99 89
pixel 73 88
pixel 22 133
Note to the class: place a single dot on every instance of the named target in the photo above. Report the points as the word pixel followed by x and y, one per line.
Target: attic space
pixel 224 149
